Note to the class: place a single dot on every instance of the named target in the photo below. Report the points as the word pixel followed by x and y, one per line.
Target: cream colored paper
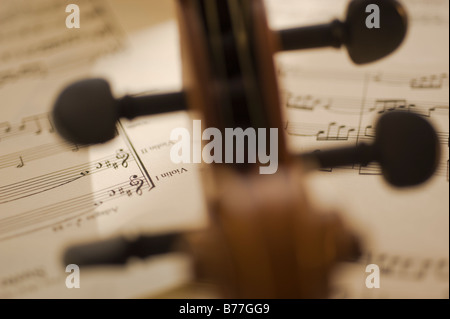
pixel 54 194
pixel 330 102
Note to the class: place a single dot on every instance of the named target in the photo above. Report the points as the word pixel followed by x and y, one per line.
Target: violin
pixel 265 239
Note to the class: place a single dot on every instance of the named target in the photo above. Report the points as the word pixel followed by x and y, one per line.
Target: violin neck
pixel 226 45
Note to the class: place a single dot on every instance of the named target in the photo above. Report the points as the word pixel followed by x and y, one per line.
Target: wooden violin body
pixel 265 240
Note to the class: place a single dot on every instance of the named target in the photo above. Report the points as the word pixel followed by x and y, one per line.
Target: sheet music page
pixel 53 193
pixel 330 102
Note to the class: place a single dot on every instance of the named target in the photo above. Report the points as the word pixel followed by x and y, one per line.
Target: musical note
pixel 75 148
pixel 53 214
pixel 382 106
pixel 38 126
pixel 51 181
pixel 435 81
pixel 370 169
pixel 378 77
pixel 337 136
pixel 6 126
pixel 443 110
pixel 35 153
pixel 50 122
pixel 342 105
pixel 369 131
pixel 46 44
pixel 429 82
pixel 21 164
pixel 306 102
pixel 35 125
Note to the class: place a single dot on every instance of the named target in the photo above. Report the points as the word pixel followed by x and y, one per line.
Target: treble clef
pixel 122 155
pixel 139 183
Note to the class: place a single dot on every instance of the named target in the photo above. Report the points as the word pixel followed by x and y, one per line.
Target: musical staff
pixel 47 182
pixel 36 125
pixel 44 44
pixel 18 159
pixel 52 21
pixel 429 82
pixel 51 191
pixel 307 102
pixel 330 105
pixel 57 43
pixel 375 169
pixel 73 208
pixel 115 164
pixel 5 127
pixel 433 81
pixel 408 267
pixel 322 132
pixel 352 106
pixel 14 74
pixel 335 132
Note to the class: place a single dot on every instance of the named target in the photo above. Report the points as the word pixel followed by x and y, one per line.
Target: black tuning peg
pixel 117 251
pixel 86 112
pixel 363 44
pixel 406 146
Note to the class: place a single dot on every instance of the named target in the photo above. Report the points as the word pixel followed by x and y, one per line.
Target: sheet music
pixel 329 102
pixel 53 193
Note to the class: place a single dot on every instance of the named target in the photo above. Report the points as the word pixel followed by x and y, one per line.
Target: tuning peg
pixel 117 251
pixel 406 146
pixel 87 113
pixel 363 44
